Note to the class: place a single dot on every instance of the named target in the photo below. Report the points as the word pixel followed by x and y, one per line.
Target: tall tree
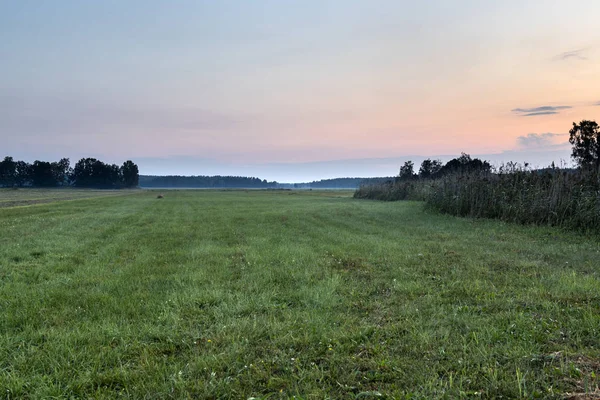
pixel 585 138
pixel 130 174
pixel 429 168
pixel 111 176
pixel 42 175
pixel 407 171
pixel 8 171
pixel 23 174
pixel 85 172
pixel 61 171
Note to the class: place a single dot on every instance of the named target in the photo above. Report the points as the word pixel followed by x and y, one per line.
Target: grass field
pixel 207 294
pixel 23 197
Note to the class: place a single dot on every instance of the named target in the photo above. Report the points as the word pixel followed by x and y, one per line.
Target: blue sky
pixel 282 89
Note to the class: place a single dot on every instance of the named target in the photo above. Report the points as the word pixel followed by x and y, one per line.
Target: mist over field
pixel 312 171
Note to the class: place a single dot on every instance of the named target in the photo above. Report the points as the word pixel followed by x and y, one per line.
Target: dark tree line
pixel 87 173
pixel 585 138
pixel 177 181
pixel 433 169
pixel 344 183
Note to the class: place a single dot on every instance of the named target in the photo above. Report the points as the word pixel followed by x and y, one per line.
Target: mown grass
pixel 12 197
pixel 316 295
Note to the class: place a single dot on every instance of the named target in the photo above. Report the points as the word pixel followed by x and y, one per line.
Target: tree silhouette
pixel 429 168
pixel 23 173
pixel 130 174
pixel 407 171
pixel 8 171
pixel 585 138
pixel 90 172
pixel 465 164
pixel 61 171
pixel 42 174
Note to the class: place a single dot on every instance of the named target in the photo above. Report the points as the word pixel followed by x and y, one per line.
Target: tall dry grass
pixel 558 197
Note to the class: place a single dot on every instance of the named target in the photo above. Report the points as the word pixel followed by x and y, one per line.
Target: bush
pixel 393 191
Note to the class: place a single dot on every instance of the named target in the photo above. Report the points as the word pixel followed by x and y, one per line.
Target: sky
pixel 295 90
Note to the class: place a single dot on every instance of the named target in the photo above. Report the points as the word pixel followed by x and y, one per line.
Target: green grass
pixel 23 197
pixel 207 294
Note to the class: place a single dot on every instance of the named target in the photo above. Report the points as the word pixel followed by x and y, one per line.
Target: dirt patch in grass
pixel 344 263
pixel 584 377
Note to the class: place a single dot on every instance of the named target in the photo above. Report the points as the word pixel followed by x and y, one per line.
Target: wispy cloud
pixel 543 110
pixel 571 55
pixel 597 104
pixel 539 113
pixel 538 140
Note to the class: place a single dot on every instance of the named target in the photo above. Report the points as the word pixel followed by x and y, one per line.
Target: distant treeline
pixel 87 173
pixel 337 183
pixel 177 181
pixel 464 186
pixel 200 181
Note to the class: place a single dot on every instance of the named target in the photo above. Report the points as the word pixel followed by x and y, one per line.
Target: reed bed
pixel 558 197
